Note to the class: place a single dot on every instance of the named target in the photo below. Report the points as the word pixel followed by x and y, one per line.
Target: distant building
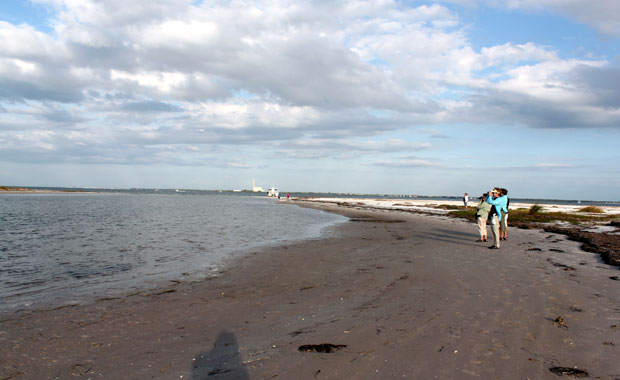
pixel 256 189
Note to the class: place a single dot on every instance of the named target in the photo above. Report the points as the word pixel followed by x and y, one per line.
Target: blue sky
pixel 399 97
pixel 24 12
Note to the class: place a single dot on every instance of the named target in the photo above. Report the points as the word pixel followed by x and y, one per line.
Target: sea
pixel 70 248
pixel 84 244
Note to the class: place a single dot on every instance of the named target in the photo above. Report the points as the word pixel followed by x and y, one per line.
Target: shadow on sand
pixel 223 362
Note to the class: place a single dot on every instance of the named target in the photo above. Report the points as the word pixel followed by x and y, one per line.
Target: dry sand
pixel 411 296
pixel 430 206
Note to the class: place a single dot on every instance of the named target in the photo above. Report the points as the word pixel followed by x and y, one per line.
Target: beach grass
pixel 526 216
pixel 535 209
pixel 592 210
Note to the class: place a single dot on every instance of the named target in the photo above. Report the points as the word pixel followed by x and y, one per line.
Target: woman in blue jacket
pixel 499 203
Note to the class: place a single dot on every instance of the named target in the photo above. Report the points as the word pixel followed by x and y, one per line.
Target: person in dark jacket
pixel 503 225
pixel 499 202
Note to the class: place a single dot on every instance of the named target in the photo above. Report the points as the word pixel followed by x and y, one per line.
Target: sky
pixel 377 96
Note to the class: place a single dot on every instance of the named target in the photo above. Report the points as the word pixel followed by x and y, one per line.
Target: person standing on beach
pixel 465 199
pixel 499 204
pixel 482 214
pixel 503 226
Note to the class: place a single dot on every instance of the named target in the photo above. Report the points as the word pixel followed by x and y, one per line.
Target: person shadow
pixel 223 362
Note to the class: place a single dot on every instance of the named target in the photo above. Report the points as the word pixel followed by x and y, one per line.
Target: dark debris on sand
pixel 605 244
pixel 568 371
pixel 323 348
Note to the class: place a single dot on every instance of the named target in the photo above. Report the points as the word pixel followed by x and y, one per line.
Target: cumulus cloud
pixel 338 148
pixel 305 78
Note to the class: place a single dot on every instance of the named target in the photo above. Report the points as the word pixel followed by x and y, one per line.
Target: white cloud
pixel 177 34
pixel 23 41
pixel 514 54
pixel 555 166
pixel 546 81
pixel 15 67
pixel 308 78
pixel 163 82
pixel 407 163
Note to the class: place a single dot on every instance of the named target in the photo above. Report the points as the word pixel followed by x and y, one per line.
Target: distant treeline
pixel 10 188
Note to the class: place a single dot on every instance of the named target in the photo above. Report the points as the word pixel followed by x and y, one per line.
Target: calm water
pixel 57 249
pixel 339 195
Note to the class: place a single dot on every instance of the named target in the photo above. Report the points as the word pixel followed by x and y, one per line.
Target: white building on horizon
pixel 256 189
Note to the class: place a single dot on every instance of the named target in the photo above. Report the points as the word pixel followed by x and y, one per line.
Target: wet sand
pixel 398 295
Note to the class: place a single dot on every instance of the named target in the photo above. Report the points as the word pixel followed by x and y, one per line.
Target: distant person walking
pixel 465 199
pixel 288 196
pixel 482 214
pixel 503 225
pixel 499 205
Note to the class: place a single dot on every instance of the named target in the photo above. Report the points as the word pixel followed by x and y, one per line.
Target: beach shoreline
pixel 409 295
pixel 26 190
pixel 597 236
pixel 433 206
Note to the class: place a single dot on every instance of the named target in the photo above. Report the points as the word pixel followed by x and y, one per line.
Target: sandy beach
pixel 390 295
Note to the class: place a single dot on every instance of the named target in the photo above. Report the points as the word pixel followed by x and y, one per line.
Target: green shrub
pixel 592 209
pixel 535 209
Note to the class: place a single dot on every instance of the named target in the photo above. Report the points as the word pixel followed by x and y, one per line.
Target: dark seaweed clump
pixel 574 372
pixel 607 245
pixel 324 348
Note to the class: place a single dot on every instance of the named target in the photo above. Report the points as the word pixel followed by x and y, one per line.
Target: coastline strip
pixel 409 296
